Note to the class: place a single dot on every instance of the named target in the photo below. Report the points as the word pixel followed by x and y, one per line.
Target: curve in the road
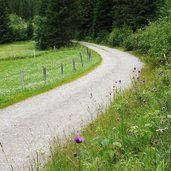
pixel 29 125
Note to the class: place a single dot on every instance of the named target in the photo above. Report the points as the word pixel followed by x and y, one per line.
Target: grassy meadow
pixel 19 50
pixel 133 134
pixel 32 68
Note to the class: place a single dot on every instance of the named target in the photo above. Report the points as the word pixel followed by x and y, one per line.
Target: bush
pixel 102 37
pixel 39 24
pixel 154 40
pixel 118 35
pixel 30 30
pixel 19 27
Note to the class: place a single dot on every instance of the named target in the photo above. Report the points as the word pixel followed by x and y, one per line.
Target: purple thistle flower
pixel 78 139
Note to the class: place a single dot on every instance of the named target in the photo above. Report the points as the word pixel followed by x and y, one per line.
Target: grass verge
pixel 34 79
pixel 133 133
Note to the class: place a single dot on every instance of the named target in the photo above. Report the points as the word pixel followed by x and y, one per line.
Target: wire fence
pixel 29 79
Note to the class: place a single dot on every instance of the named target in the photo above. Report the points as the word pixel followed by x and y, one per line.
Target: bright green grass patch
pixel 10 81
pixel 132 135
pixel 19 50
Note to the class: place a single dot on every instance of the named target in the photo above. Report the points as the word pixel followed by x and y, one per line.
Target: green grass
pixel 10 82
pixel 18 50
pixel 132 135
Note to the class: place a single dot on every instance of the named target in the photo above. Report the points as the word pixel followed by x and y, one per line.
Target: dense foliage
pixel 153 40
pixel 56 28
pixel 135 14
pixel 24 8
pixel 86 13
pixel 5 27
pixel 60 21
pixel 19 28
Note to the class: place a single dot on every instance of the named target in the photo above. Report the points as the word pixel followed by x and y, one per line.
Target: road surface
pixel 27 127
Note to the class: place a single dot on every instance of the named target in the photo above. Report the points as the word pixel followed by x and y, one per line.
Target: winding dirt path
pixel 27 127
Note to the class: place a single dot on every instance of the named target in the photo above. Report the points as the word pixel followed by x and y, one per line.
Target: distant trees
pixel 43 7
pixel 5 28
pixel 30 30
pixel 56 22
pixel 135 13
pixel 86 18
pixel 98 17
pixel 103 16
pixel 24 8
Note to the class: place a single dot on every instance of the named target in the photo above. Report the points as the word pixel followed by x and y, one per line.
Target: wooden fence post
pixel 81 58
pixel 54 48
pixel 34 53
pixel 44 73
pixel 90 55
pixel 62 69
pixel 22 79
pixel 73 63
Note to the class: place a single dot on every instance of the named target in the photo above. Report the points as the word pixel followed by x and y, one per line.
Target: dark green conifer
pixel 59 24
pixel 5 28
pixel 103 18
pixel 86 14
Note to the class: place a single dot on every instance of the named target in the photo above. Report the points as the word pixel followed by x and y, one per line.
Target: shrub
pixel 19 27
pixel 118 35
pixel 154 40
pixel 102 37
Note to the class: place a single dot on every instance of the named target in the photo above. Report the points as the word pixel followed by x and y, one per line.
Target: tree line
pixel 57 22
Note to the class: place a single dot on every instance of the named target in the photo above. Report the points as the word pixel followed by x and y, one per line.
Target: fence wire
pixel 31 79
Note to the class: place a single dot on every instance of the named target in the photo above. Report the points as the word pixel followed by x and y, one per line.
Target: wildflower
pixel 155 142
pixel 135 68
pixel 75 154
pixel 169 116
pixel 162 121
pixel 134 127
pixel 161 73
pixel 139 71
pixel 118 119
pixel 160 130
pixel 120 81
pixel 78 139
pixel 154 89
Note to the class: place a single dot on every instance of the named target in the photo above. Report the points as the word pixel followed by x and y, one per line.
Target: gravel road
pixel 27 127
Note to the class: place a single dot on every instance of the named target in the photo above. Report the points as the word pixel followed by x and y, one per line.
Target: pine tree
pixel 24 8
pixel 5 29
pixel 86 14
pixel 58 27
pixel 103 18
pixel 30 30
pixel 135 13
pixel 43 7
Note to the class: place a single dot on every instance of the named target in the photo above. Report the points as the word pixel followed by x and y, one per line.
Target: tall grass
pixel 133 133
